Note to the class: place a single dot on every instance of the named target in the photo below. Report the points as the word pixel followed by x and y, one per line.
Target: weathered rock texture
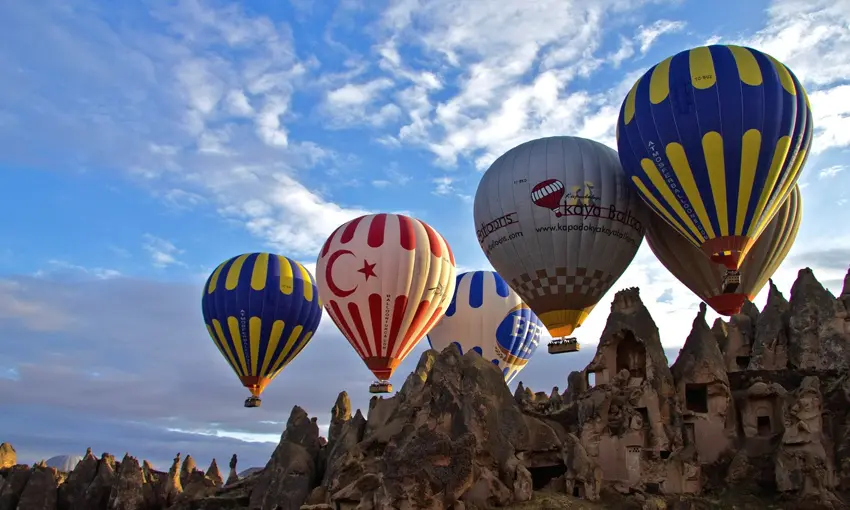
pixel 758 404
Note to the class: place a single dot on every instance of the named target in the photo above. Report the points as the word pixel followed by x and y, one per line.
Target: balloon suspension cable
pixel 731 281
pixel 381 386
pixel 253 401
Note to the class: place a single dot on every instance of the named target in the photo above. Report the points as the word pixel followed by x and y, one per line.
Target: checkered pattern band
pixel 564 281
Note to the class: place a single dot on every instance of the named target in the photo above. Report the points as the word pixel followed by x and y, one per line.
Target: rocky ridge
pixel 755 413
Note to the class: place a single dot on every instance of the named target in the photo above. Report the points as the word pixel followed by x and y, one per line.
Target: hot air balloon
pixel 261 310
pixel 714 139
pixel 487 317
pixel 559 221
pixel 386 279
pixel 698 273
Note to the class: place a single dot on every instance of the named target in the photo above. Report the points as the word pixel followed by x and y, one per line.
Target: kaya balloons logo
pixel 517 336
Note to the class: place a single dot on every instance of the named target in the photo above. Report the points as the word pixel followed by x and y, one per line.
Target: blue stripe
pixel 476 290
pixel 453 305
pixel 732 128
pixel 242 294
pixel 224 300
pixel 502 288
pixel 270 296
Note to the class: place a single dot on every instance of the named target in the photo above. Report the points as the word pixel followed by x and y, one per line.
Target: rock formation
pixel 755 413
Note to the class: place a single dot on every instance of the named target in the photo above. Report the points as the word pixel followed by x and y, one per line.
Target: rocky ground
pixel 753 414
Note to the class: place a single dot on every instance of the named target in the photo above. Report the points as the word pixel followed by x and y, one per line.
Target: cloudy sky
pixel 142 144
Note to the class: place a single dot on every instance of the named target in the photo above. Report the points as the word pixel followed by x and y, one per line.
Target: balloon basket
pixel 381 387
pixel 731 281
pixel 562 345
pixel 253 402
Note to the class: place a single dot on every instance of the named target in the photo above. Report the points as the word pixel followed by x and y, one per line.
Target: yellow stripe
pixel 261 271
pixel 658 181
pixel 215 276
pixel 222 339
pixel 786 190
pixel 296 331
pixel 779 154
pixel 286 281
pixel 648 195
pixel 274 339
pixel 233 326
pixel 233 273
pixel 301 346
pixel 679 162
pixel 629 111
pixel 748 67
pixel 784 76
pixel 659 83
pixel 255 325
pixel 308 282
pixel 750 148
pixel 702 68
pixel 712 148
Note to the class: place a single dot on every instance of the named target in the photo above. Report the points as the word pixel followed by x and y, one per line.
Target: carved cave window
pixel 696 398
pixel 742 361
pixel 644 414
pixel 763 425
pixel 578 491
pixel 631 355
pixel 591 379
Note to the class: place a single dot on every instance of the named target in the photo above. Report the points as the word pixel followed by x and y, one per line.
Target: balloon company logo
pixel 517 336
pixel 581 201
pixel 499 223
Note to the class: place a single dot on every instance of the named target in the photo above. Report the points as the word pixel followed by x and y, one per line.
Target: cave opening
pixel 631 355
pixel 542 475
pixel 763 425
pixel 742 361
pixel 696 398
pixel 578 491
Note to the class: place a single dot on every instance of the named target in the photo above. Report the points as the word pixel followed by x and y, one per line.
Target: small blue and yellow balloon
pixel 714 139
pixel 487 317
pixel 261 310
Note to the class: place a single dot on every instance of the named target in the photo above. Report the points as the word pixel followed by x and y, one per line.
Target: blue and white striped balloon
pixel 487 317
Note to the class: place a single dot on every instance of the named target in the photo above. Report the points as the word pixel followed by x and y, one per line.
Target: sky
pixel 142 143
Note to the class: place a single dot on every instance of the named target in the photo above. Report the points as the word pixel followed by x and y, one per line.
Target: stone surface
pixel 755 413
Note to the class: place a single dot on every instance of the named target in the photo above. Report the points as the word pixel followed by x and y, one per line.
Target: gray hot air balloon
pixel 703 277
pixel 560 223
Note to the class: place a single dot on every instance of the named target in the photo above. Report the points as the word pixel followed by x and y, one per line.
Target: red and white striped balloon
pixel 385 279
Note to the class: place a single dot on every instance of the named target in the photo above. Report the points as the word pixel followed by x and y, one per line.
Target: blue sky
pixel 145 142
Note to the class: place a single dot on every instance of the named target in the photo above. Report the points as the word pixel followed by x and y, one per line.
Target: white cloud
pixel 647 35
pixel 828 173
pixel 443 185
pixel 54 266
pixel 163 253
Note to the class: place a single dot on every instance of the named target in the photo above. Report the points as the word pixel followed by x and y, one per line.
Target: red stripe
pixel 327 245
pixel 449 249
pixel 346 331
pixel 383 375
pixel 354 310
pixel 407 233
pixel 375 310
pixel 416 324
pixel 433 239
pixel 434 318
pixel 399 307
pixel 376 230
pixel 348 233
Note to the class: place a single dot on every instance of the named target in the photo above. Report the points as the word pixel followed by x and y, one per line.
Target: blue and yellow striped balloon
pixel 714 139
pixel 261 310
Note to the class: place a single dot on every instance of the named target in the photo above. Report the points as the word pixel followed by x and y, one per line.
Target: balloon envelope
pixel 714 139
pixel 703 277
pixel 261 310
pixel 386 280
pixel 558 220
pixel 487 317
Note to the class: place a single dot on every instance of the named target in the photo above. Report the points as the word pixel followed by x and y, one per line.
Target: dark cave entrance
pixel 742 361
pixel 541 476
pixel 631 355
pixel 696 398
pixel 763 425
pixel 578 490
